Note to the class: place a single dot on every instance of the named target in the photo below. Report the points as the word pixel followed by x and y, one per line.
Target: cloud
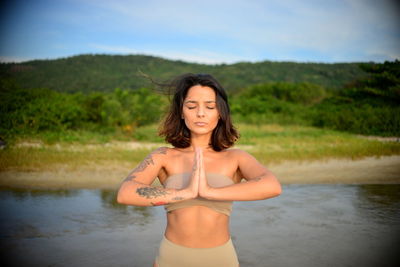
pixel 193 55
pixel 211 31
pixel 327 27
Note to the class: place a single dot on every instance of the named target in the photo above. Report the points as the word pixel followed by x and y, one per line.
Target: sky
pixel 203 31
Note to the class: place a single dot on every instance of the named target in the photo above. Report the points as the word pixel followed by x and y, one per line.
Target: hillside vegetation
pixel 88 73
pixel 101 96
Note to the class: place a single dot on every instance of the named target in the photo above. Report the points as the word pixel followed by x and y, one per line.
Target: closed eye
pixel 193 107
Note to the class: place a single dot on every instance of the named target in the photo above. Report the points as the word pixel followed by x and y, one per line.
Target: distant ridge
pixel 87 73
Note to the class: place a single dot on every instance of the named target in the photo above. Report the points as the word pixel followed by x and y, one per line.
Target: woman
pixel 200 177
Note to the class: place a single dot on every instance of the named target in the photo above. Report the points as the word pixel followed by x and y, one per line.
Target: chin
pixel 199 130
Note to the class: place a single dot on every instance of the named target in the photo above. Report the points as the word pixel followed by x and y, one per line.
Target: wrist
pixel 184 194
pixel 209 193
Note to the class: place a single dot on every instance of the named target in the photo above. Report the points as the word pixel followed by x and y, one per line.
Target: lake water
pixel 308 225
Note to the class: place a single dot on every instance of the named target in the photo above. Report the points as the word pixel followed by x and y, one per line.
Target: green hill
pixel 111 97
pixel 87 73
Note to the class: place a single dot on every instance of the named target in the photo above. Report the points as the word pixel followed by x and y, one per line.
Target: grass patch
pixel 276 143
pixel 270 143
pixel 52 158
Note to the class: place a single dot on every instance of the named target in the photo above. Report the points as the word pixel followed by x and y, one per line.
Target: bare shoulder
pixel 242 157
pixel 157 154
pixel 161 150
pixel 238 153
pixel 175 152
pixel 167 154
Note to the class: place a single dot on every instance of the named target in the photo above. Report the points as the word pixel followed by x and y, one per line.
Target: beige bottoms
pixel 173 255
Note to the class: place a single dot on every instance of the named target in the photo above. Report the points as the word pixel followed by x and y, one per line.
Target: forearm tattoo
pixel 146 162
pixel 151 192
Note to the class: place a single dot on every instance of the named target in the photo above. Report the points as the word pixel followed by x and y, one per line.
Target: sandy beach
pixel 370 170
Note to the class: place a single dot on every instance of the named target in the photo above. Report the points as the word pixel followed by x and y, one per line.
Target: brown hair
pixel 174 128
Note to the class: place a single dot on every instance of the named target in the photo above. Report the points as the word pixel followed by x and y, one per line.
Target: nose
pixel 200 112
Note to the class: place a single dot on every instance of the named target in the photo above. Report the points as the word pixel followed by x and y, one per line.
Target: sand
pixel 369 170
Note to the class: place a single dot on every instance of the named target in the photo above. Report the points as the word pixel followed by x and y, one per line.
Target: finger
pixel 198 176
pixel 201 157
pixel 195 162
pixel 198 153
pixel 201 162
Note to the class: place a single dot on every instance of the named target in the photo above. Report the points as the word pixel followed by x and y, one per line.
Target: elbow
pixel 125 197
pixel 278 190
pixel 273 192
pixel 274 189
pixel 121 198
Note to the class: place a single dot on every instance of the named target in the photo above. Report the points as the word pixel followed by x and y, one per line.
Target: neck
pixel 201 141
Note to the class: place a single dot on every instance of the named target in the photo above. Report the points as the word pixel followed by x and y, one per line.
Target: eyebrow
pixel 195 102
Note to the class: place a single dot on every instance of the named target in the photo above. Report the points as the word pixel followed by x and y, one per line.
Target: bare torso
pixel 198 226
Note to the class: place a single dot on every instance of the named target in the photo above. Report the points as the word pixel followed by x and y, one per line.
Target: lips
pixel 200 123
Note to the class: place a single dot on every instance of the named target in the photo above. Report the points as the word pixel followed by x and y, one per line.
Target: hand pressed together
pixel 198 184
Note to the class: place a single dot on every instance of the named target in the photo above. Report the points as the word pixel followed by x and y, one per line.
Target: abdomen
pixel 197 226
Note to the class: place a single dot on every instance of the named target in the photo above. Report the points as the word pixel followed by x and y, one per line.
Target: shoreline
pixel 369 170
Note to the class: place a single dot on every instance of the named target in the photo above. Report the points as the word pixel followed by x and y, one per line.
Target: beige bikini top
pixel 181 180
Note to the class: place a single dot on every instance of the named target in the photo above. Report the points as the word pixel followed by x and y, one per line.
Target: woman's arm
pixel 136 189
pixel 260 184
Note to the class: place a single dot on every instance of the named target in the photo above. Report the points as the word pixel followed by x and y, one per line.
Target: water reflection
pixel 21 194
pixel 317 225
pixel 380 203
pixel 41 213
pixel 123 214
pixel 109 199
pixel 381 195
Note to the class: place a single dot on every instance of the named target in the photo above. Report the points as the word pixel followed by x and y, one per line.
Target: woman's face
pixel 200 110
